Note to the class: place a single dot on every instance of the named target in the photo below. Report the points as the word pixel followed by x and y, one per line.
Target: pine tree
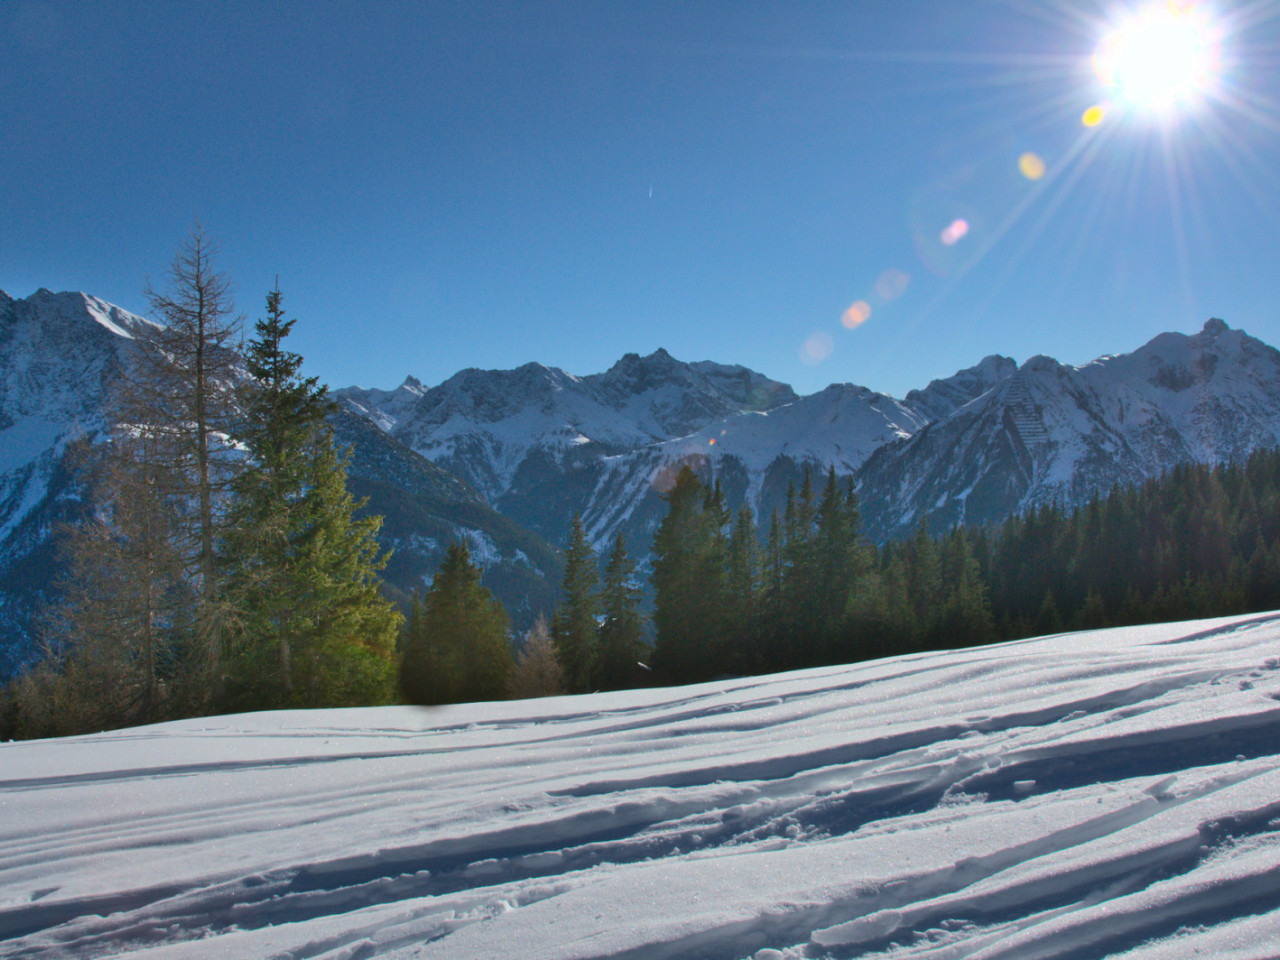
pixel 688 581
pixel 621 644
pixel 840 561
pixel 311 627
pixel 574 627
pixel 966 618
pixel 460 652
pixel 141 629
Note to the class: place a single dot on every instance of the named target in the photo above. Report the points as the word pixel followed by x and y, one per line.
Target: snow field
pixel 1114 793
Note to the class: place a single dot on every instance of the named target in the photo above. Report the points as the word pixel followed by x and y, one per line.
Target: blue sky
pixel 445 185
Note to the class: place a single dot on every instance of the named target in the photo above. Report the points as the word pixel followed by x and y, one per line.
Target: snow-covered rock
pixel 992 439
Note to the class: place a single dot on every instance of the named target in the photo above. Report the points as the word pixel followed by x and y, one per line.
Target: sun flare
pixel 1163 55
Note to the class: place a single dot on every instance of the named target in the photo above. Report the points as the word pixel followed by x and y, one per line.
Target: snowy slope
pixel 754 455
pixel 57 353
pixel 1103 794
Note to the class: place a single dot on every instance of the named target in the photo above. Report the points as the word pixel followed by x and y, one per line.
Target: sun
pixel 1161 56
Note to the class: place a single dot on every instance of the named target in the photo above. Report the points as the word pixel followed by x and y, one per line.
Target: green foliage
pixel 1201 541
pixel 621 643
pixel 208 579
pixel 574 628
pixel 455 647
pixel 689 580
pixel 310 627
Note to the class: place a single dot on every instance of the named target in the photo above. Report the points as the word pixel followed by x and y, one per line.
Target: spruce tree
pixel 461 652
pixel 688 581
pixel 744 591
pixel 621 644
pixel 574 626
pixel 310 626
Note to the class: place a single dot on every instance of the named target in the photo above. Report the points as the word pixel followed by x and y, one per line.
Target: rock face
pixel 543 444
pixel 58 354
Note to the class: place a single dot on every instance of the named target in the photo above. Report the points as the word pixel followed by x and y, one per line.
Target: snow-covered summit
pixel 1051 432
pixel 59 353
pixel 488 424
pixel 941 397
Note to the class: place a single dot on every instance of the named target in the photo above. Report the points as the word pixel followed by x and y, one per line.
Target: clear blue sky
pixel 453 184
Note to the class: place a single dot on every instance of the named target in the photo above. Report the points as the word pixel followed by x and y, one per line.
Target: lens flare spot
pixel 1031 166
pixel 892 284
pixel 712 441
pixel 1094 115
pixel 857 314
pixel 817 348
pixel 955 231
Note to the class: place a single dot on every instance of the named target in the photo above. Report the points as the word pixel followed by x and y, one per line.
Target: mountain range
pixel 996 438
pixel 505 458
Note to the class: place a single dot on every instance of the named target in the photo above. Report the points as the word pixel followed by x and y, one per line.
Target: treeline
pixel 1200 541
pixel 223 567
pixel 456 647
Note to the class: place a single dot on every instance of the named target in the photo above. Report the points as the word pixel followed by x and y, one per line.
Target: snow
pixel 484 551
pixel 1114 793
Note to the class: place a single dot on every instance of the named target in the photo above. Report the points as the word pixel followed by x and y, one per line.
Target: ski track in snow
pixel 1114 793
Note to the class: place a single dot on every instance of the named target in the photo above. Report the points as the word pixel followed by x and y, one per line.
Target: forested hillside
pixel 1200 541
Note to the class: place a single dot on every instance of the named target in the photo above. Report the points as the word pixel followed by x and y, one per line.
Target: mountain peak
pixel 1214 328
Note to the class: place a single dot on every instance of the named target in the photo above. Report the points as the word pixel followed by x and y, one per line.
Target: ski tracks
pixel 1075 797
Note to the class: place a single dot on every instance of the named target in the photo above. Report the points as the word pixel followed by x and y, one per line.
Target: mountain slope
pixel 543 444
pixel 58 354
pixel 1107 794
pixel 1055 433
pixel 491 426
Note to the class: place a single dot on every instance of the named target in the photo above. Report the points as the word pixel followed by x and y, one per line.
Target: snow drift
pixel 1114 793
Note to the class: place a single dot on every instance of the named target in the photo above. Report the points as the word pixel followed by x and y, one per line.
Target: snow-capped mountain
pixel 493 427
pixel 1056 433
pixel 544 444
pixel 54 373
pixel 58 353
pixel 994 438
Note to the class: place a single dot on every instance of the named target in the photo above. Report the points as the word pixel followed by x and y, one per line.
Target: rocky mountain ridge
pixel 994 438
